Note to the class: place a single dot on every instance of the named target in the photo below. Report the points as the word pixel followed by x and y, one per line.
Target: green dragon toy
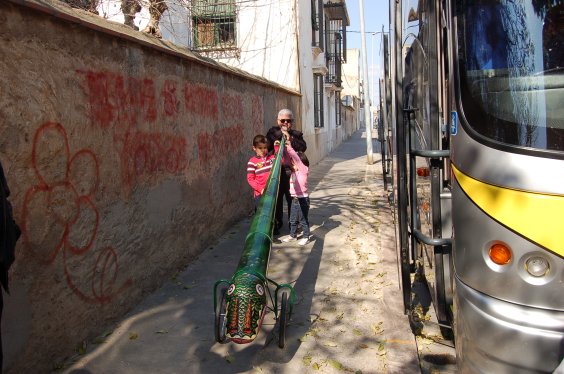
pixel 241 302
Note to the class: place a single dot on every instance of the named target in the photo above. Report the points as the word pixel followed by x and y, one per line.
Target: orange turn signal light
pixel 500 254
pixel 423 171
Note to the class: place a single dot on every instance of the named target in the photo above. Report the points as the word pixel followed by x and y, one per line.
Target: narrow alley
pixel 348 313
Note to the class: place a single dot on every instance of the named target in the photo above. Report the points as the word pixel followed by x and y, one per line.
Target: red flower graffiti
pixel 59 215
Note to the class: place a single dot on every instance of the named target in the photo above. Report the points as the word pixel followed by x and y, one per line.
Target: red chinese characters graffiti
pixel 146 154
pixel 201 100
pixel 232 107
pixel 59 215
pixel 121 104
pixel 120 101
pixel 126 105
pixel 212 147
pixel 170 101
pixel 257 115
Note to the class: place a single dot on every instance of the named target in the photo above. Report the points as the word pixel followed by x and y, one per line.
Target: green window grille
pixel 214 24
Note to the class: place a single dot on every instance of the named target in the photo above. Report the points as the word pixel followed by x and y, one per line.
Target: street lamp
pixel 367 124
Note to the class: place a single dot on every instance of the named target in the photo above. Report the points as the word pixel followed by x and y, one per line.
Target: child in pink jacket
pixel 300 197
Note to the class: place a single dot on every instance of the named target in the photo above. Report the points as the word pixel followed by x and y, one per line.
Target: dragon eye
pixel 231 289
pixel 260 289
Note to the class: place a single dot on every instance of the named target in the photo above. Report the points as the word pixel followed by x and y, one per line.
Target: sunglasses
pixel 286 120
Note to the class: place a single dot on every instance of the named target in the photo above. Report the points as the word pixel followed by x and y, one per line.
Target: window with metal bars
pixel 214 24
pixel 338 112
pixel 333 55
pixel 318 100
pixel 317 24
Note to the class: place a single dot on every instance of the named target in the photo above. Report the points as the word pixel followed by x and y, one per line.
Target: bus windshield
pixel 511 61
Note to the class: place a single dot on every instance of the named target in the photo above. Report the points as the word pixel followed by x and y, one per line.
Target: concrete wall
pixel 117 149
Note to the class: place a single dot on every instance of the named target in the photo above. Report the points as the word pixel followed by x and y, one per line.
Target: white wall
pixel 266 37
pixel 274 39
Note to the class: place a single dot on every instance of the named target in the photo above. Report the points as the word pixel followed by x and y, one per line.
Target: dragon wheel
pixel 283 318
pixel 221 317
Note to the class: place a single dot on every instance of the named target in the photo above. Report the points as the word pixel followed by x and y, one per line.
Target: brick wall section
pixel 126 157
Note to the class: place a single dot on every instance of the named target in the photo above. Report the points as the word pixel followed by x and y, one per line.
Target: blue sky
pixel 376 15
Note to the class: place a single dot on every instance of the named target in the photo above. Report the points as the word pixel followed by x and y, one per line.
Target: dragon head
pixel 246 301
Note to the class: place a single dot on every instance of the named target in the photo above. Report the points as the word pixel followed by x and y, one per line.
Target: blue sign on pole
pixel 454 123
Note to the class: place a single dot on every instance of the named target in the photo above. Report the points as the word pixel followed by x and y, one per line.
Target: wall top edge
pixel 66 13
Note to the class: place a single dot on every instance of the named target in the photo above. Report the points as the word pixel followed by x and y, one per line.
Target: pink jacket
pixel 298 180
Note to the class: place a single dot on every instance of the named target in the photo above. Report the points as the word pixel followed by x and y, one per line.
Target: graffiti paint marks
pixel 257 114
pixel 59 214
pixel 145 154
pixel 124 101
pixel 120 101
pixel 127 105
pixel 214 147
pixel 232 107
pixel 170 101
pixel 201 100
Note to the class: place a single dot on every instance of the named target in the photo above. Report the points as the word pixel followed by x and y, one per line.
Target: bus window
pixel 511 88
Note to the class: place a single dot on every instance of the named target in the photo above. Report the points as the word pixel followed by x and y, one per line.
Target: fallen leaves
pixel 102 338
pixel 336 364
pixel 377 328
pixel 308 361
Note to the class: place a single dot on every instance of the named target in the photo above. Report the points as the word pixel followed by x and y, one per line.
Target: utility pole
pixel 366 89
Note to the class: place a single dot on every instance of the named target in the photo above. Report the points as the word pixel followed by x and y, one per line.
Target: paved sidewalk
pixel 348 309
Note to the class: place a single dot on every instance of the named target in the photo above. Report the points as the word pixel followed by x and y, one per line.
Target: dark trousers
pixel 300 212
pixel 1 307
pixel 283 194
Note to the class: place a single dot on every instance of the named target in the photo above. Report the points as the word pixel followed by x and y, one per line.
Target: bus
pixel 473 102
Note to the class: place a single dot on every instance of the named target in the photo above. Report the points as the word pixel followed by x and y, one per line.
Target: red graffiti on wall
pixel 232 107
pixel 201 100
pixel 146 154
pixel 212 147
pixel 170 101
pixel 120 101
pixel 60 209
pixel 257 115
pixel 126 104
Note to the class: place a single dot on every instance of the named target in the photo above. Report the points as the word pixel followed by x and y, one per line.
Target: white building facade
pixel 299 44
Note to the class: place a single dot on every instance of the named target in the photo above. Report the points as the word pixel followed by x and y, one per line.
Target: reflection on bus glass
pixel 511 60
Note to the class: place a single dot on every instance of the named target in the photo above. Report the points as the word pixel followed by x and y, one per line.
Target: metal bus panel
pixel 506 320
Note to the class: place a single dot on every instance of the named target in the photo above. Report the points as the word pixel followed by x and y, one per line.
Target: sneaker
pixel 287 238
pixel 303 241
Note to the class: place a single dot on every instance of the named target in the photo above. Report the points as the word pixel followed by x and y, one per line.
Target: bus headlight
pixel 537 266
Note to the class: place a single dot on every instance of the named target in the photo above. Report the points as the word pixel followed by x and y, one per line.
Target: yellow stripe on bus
pixel 536 216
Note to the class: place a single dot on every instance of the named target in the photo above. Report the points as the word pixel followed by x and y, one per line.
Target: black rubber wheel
pixel 283 320
pixel 221 316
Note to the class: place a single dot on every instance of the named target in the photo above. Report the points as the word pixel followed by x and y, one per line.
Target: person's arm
pixel 295 157
pixel 252 177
